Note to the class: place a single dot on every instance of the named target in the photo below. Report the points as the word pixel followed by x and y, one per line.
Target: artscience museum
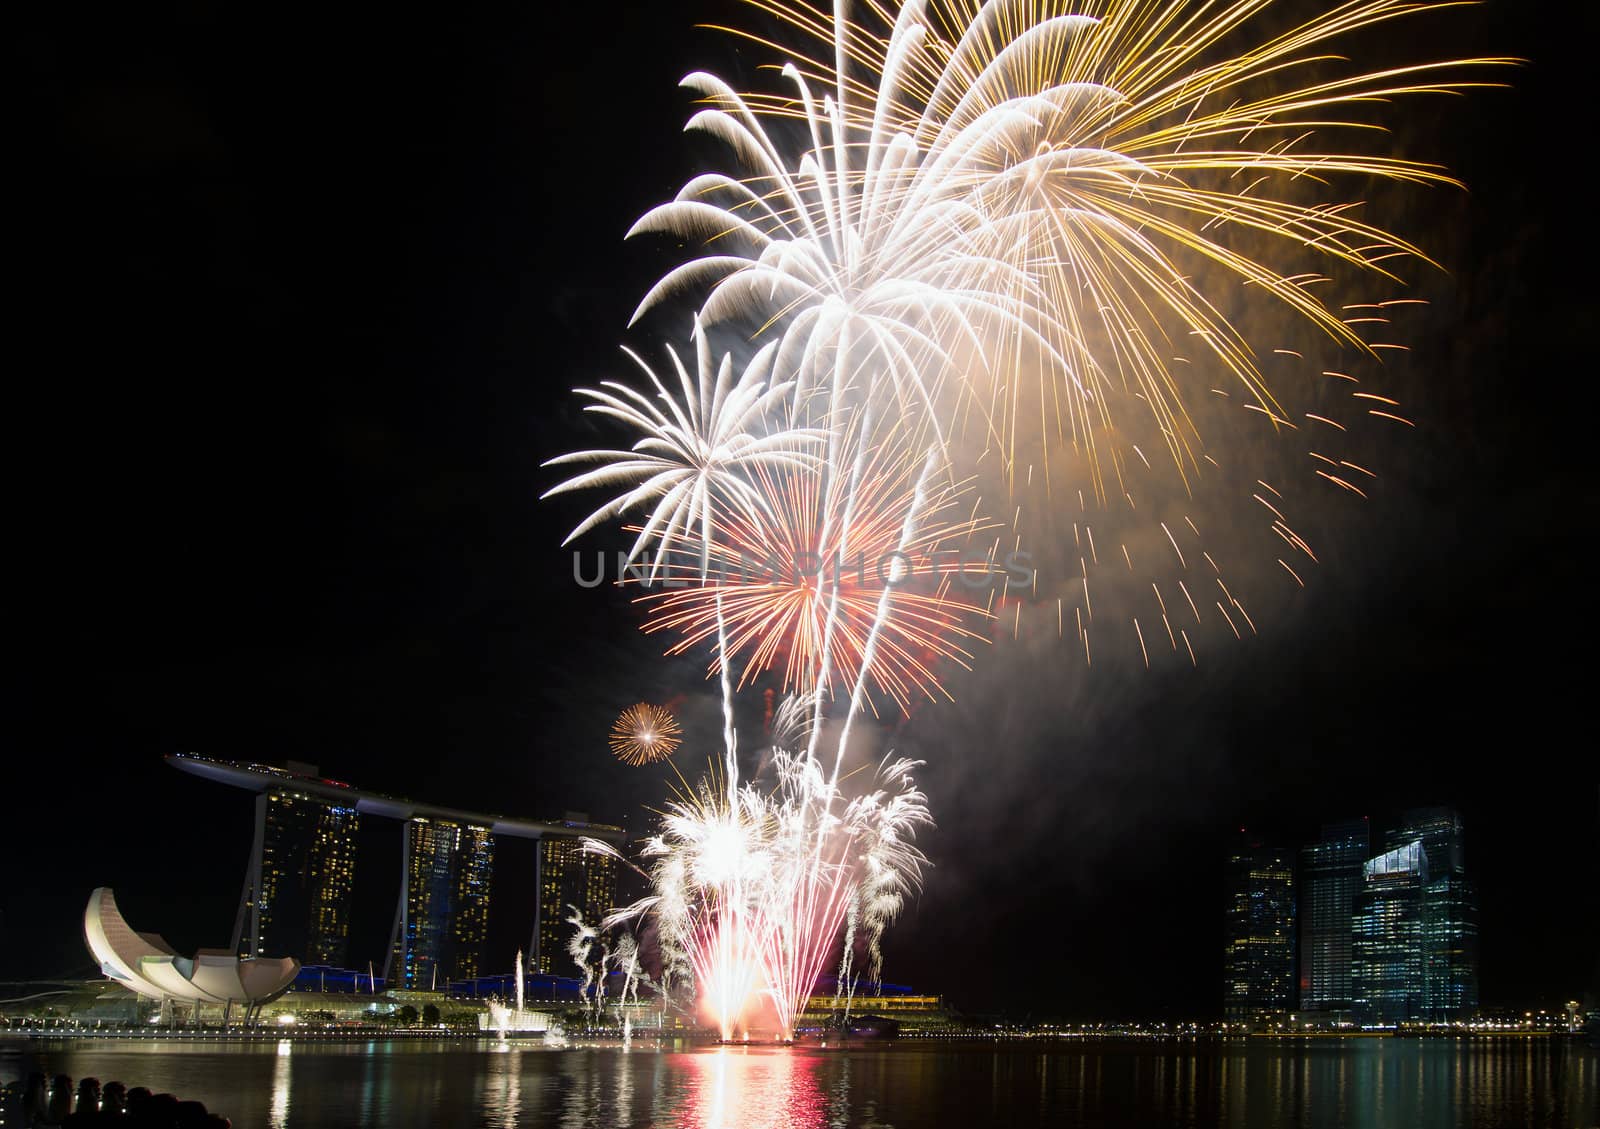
pixel 147 965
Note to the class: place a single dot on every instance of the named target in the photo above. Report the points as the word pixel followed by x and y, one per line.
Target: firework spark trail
pixel 730 739
pixel 585 940
pixel 880 615
pixel 825 659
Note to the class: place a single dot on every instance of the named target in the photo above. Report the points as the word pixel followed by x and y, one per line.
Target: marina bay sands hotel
pixel 301 875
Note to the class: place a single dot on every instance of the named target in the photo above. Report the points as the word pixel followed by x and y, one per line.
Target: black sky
pixel 297 303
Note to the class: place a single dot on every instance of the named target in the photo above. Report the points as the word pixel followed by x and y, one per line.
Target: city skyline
pixel 551 937
pixel 1350 937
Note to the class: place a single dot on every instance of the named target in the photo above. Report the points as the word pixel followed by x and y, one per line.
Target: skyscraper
pixel 1330 880
pixel 296 900
pixel 469 928
pixel 1448 936
pixel 1386 973
pixel 1258 956
pixel 297 891
pixel 569 878
pixel 442 917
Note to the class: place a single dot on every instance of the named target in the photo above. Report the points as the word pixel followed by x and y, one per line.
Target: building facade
pixel 570 878
pixel 296 899
pixel 443 916
pixel 469 924
pixel 1448 933
pixel 1330 881
pixel 1386 973
pixel 1259 948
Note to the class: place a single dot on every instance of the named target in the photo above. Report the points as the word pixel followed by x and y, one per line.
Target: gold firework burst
pixel 645 734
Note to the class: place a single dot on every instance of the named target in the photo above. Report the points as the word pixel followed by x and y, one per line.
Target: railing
pixel 264 1033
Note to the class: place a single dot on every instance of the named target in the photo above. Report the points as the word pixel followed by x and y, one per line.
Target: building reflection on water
pixel 1355 1083
pixel 502 1088
pixel 1377 1083
pixel 724 1088
pixel 282 1086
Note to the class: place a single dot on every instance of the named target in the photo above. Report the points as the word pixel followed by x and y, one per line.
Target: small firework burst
pixel 645 734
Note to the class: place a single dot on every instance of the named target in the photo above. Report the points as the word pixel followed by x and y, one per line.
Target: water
pixel 1253 1084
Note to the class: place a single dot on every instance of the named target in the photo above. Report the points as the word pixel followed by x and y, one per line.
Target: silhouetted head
pixel 191 1115
pixel 114 1098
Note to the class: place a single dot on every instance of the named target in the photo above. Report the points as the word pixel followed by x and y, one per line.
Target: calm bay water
pixel 1253 1084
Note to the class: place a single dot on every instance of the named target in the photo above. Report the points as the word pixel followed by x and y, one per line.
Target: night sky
pixel 300 302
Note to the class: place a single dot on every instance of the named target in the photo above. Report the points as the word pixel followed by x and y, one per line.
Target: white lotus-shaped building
pixel 146 964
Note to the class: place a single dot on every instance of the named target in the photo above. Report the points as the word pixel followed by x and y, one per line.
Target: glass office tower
pixel 1258 954
pixel 1448 937
pixel 1330 880
pixel 1386 973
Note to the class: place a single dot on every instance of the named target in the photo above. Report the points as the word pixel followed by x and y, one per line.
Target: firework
pixel 1036 228
pixel 645 734
pixel 1014 236
pixel 1039 186
pixel 824 564
pixel 693 449
pixel 752 888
